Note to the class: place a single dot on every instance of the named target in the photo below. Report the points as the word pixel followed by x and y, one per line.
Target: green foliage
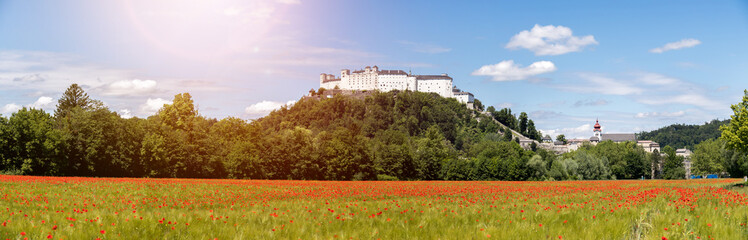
pixel 672 167
pixel 74 97
pixel 522 126
pixel 626 160
pixel 478 105
pixel 29 143
pixel 561 138
pixel 735 134
pixel 385 177
pixel 591 167
pixel 503 161
pixel 708 157
pixel 537 168
pixel 685 136
pixel 563 168
pixel 504 116
pixel 508 136
pixel 395 135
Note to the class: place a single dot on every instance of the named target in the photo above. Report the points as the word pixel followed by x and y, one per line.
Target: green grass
pixel 236 209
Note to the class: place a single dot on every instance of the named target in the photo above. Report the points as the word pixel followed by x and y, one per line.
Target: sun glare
pixel 204 30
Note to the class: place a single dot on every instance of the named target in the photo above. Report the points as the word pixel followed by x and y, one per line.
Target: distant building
pixel 463 97
pixel 372 78
pixel 686 154
pixel 598 135
pixel 649 146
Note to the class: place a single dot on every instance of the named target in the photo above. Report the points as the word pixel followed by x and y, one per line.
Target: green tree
pixel 523 124
pixel 655 160
pixel 507 134
pixel 393 155
pixel 74 97
pixel 478 105
pixel 561 138
pixel 532 133
pixel 502 161
pixel 735 134
pixel 591 167
pixel 432 150
pixel 179 115
pixel 708 157
pixel 537 168
pixel 563 169
pixel 30 142
pixel 672 167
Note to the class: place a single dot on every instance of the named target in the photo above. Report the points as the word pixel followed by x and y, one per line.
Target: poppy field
pixel 113 208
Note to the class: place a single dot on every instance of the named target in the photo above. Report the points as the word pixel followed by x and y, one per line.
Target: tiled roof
pixel 392 72
pixel 462 93
pixel 433 77
pixel 618 137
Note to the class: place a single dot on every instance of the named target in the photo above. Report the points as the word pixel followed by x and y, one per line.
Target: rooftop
pixel 433 77
pixel 619 137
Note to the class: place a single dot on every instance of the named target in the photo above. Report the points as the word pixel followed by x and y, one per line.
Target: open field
pixel 90 208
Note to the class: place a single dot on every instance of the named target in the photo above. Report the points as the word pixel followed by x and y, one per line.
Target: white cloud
pixel 684 43
pixel 598 102
pixel 656 79
pixel 660 114
pixel 694 99
pixel 10 108
pixel 508 71
pixel 425 47
pixel 129 87
pixel 550 40
pixel 599 84
pixel 42 102
pixel 583 131
pixel 125 113
pixel 31 78
pixel 152 106
pixel 265 107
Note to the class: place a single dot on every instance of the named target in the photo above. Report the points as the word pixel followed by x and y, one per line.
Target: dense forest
pixel 381 136
pixel 685 136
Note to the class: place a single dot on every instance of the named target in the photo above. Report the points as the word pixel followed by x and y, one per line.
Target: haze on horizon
pixel 634 65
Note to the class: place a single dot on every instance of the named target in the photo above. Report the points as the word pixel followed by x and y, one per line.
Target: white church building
pixel 372 78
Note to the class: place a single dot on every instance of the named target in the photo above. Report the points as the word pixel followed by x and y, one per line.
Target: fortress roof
pixel 433 77
pixel 392 72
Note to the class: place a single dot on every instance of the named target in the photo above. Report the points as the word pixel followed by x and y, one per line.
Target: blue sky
pixel 635 65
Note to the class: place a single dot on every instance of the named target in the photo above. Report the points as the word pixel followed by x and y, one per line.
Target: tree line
pixel 683 135
pixel 398 135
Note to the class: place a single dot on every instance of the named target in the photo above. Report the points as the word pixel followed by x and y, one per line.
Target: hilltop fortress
pixel 372 78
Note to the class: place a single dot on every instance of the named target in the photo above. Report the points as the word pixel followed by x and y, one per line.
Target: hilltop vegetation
pixel 385 136
pixel 395 135
pixel 685 136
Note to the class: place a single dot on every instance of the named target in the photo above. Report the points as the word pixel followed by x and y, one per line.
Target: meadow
pixel 117 208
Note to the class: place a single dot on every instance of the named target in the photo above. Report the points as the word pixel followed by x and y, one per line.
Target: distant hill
pixel 684 136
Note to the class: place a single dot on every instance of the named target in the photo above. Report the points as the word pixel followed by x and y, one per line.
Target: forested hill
pixel 392 135
pixel 685 136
